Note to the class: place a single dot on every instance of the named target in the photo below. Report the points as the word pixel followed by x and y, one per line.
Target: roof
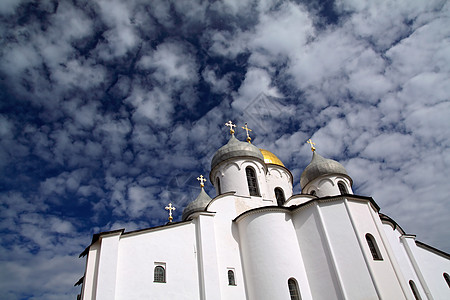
pixel 270 158
pixel 199 204
pixel 320 166
pixel 233 149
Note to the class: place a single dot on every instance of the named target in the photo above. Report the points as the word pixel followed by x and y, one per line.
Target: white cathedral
pixel 258 240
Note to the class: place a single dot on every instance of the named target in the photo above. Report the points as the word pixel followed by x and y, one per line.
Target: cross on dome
pixel 202 180
pixel 170 208
pixel 312 145
pixel 231 125
pixel 245 127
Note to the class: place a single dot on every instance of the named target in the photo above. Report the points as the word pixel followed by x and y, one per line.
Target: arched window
pixel 342 188
pixel 252 182
pixel 219 189
pixel 414 290
pixel 293 289
pixel 279 195
pixel 313 193
pixel 159 274
pixel 447 279
pixel 231 280
pixel 376 255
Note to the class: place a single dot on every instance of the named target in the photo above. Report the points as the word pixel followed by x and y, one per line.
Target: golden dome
pixel 270 158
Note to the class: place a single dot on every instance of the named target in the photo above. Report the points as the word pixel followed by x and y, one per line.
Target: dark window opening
pixel 159 274
pixel 252 182
pixel 342 188
pixel 293 289
pixel 219 189
pixel 313 193
pixel 279 195
pixel 447 279
pixel 376 255
pixel 231 280
pixel 414 290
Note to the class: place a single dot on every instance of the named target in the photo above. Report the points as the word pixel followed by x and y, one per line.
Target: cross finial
pixel 245 127
pixel 202 180
pixel 231 125
pixel 170 208
pixel 312 145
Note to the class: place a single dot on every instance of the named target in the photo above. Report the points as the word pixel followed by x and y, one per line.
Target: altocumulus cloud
pixel 111 109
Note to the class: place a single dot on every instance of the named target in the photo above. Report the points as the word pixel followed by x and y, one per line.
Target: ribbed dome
pixel 270 158
pixel 321 166
pixel 236 148
pixel 199 204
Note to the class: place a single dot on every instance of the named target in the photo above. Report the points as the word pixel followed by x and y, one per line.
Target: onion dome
pixel 320 166
pixel 233 149
pixel 270 158
pixel 199 204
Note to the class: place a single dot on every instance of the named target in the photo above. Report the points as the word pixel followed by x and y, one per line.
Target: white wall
pixel 173 245
pixel 271 255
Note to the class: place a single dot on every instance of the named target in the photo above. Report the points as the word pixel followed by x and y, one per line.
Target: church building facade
pixel 258 240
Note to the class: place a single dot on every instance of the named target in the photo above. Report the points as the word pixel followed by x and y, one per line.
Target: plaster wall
pixel 325 186
pixel 227 245
pixel 174 247
pixel 344 249
pixel 107 267
pixel 321 275
pixel 402 257
pixel 383 274
pixel 270 258
pixel 432 267
pixel 91 274
pixel 234 179
pixel 278 177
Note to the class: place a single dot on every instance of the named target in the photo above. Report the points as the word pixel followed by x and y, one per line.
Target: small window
pixel 279 195
pixel 159 274
pixel 252 182
pixel 293 289
pixel 231 280
pixel 447 279
pixel 414 290
pixel 342 188
pixel 313 193
pixel 219 189
pixel 376 255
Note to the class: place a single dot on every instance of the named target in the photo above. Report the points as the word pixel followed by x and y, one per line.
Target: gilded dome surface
pixel 199 204
pixel 270 158
pixel 320 166
pixel 235 148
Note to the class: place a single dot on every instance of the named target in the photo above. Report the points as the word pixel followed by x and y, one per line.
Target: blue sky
pixel 109 110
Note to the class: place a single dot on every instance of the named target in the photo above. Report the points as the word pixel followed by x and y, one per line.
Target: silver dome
pixel 321 166
pixel 199 204
pixel 236 148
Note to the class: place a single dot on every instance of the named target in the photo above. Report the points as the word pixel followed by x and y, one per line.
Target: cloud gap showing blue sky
pixel 110 109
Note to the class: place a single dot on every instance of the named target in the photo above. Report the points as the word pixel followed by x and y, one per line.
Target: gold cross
pixel 312 145
pixel 247 129
pixel 202 180
pixel 231 125
pixel 170 208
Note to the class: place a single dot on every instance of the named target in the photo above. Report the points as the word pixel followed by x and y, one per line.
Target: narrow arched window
pixel 293 289
pixel 252 182
pixel 376 255
pixel 342 188
pixel 313 193
pixel 447 279
pixel 279 195
pixel 414 290
pixel 219 189
pixel 231 280
pixel 159 274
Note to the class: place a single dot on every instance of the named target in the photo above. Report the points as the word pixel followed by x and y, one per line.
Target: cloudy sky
pixel 109 110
